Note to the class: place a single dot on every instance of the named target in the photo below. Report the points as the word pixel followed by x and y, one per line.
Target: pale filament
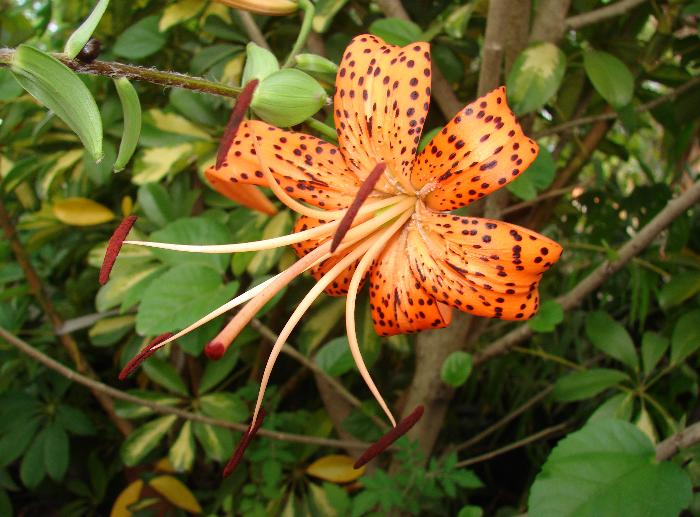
pixel 368 244
pixel 378 245
pixel 240 320
pixel 324 230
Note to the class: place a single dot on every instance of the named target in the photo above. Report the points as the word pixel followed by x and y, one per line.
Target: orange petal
pixel 481 266
pixel 308 168
pixel 339 287
pixel 398 302
pixel 246 195
pixel 381 101
pixel 481 149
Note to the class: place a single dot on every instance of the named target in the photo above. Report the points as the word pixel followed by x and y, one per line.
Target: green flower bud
pixel 259 63
pixel 288 97
pixel 314 64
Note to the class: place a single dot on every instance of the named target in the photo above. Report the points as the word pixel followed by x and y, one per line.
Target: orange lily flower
pixel 420 260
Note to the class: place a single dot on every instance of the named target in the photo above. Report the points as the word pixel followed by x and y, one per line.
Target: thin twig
pixel 36 287
pixel 505 420
pixel 673 209
pixel 544 433
pixel 114 393
pixel 252 29
pixel 613 115
pixel 138 73
pixel 598 15
pixel 292 352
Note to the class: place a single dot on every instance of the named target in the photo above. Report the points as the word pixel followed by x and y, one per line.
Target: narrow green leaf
pixel 132 122
pixel 396 31
pixel 144 439
pixel 181 454
pixel 82 34
pixel 456 368
pixel 685 339
pixel 216 442
pixel 165 374
pixel 612 338
pixel 216 371
pixel 224 406
pixel 680 288
pixel 608 468
pixel 74 420
pixel 32 470
pixel 59 89
pixel 610 77
pixel 654 346
pixel 586 384
pixel 618 406
pixel 536 178
pixel 56 451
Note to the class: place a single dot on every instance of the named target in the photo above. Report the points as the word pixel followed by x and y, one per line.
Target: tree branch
pixel 69 344
pixel 681 440
pixel 614 115
pixel 106 390
pixel 598 276
pixel 609 11
pixel 138 73
pixel 445 98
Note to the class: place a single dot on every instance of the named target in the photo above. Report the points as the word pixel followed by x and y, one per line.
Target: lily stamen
pixel 237 115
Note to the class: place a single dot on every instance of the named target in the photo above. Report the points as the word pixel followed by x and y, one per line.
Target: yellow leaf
pixel 336 468
pixel 216 9
pixel 645 424
pixel 178 13
pixel 81 211
pixel 176 492
pixel 128 497
pixel 164 465
pixel 173 123
pixel 233 69
pixel 109 325
pixel 64 161
pixel 127 205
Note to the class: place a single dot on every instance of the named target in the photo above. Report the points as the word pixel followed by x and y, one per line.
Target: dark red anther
pixel 242 104
pixel 362 194
pixel 215 350
pixel 114 246
pixel 243 444
pixel 144 354
pixel 394 434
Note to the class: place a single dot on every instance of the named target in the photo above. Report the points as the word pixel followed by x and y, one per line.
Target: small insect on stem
pixel 114 246
pixel 239 109
pixel 90 51
pixel 362 194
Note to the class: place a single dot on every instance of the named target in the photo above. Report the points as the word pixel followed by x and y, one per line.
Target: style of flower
pixel 388 207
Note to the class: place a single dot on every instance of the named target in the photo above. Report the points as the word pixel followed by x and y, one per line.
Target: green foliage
pixel 621 367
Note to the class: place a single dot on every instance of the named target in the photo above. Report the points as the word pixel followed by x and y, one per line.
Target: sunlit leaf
pixel 336 468
pixel 80 211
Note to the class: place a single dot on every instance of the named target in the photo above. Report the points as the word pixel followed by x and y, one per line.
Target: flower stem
pixel 309 12
pixel 138 73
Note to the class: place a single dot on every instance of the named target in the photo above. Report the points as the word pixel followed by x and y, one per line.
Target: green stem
pixel 324 129
pixel 309 12
pixel 138 73
pixel 549 357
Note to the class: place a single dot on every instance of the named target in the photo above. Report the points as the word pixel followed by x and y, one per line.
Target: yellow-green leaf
pixel 144 439
pixel 176 492
pixel 155 163
pixel 181 453
pixel 179 12
pixel 336 468
pixel 81 211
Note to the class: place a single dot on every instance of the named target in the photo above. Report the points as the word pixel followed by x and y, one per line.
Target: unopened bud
pixel 269 7
pixel 313 64
pixel 259 63
pixel 288 97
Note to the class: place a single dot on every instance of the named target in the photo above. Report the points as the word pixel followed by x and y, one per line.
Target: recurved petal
pixel 481 266
pixel 398 302
pixel 308 168
pixel 480 150
pixel 339 286
pixel 381 101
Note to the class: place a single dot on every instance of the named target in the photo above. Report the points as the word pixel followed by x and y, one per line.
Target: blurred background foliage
pixel 623 363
